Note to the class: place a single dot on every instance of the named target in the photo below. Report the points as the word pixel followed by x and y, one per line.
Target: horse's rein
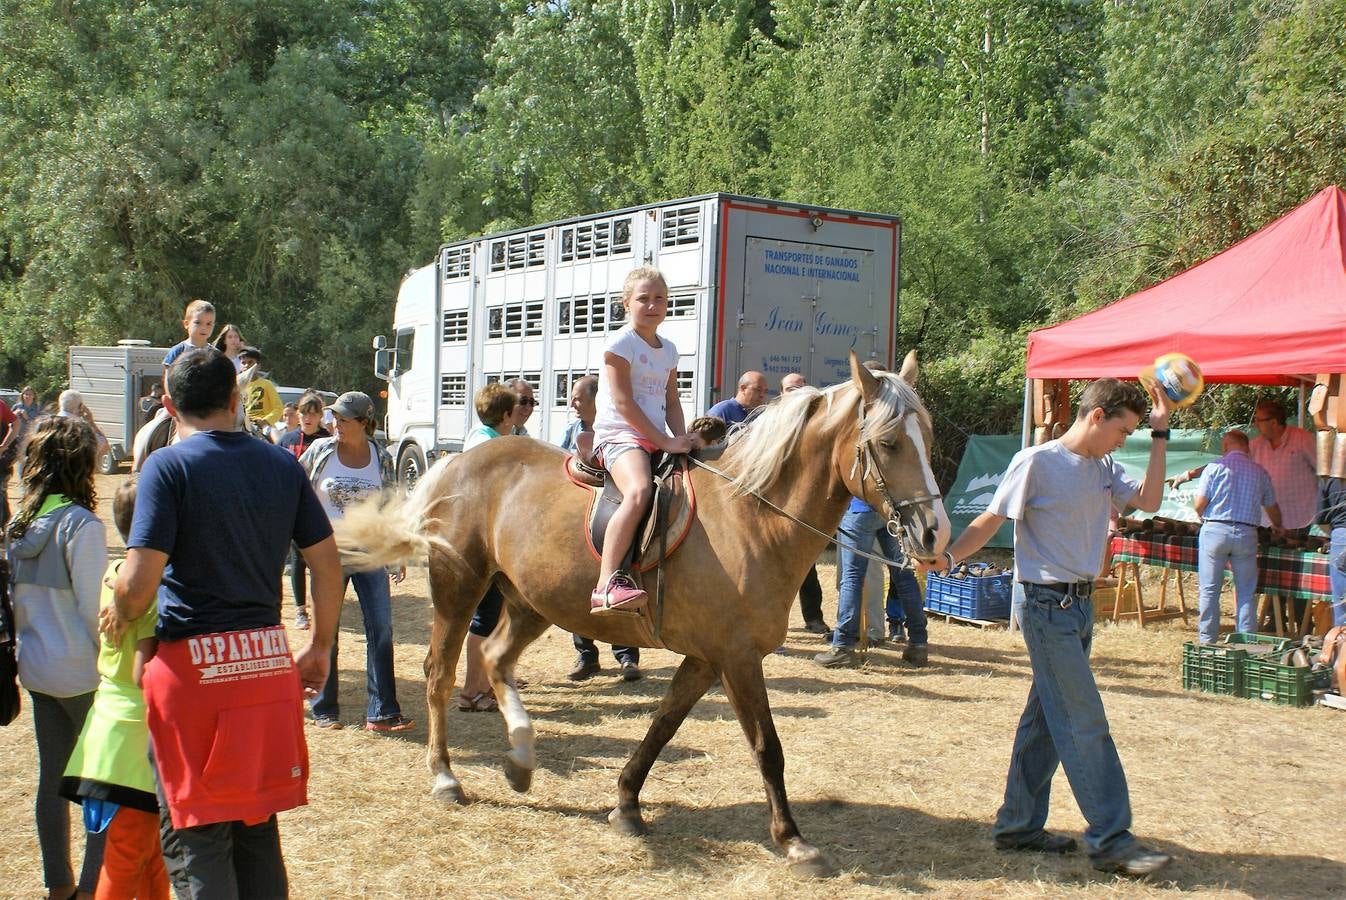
pixel 904 563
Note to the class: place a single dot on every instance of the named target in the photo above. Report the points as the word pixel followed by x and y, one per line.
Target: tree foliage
pixel 290 159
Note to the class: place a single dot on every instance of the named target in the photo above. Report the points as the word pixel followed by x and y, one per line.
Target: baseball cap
pixel 353 405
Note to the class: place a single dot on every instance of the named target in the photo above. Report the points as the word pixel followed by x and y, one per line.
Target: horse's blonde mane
pixel 759 451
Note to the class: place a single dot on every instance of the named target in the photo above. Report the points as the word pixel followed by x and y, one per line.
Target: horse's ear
pixel 909 368
pixel 864 379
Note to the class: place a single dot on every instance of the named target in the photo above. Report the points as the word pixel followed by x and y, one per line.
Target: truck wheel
pixel 108 463
pixel 410 468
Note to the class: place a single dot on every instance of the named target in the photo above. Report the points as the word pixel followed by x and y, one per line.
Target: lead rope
pixel 904 563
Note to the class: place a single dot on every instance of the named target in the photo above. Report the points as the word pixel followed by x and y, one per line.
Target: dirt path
pixel 895 772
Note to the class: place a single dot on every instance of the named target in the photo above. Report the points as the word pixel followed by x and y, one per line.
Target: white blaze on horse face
pixel 917 438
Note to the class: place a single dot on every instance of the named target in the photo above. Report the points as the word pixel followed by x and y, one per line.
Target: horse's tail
pixel 391 529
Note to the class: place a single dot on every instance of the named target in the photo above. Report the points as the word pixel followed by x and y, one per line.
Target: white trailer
pixel 113 380
pixel 753 284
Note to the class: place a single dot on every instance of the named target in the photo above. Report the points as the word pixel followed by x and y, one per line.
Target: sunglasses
pixel 527 401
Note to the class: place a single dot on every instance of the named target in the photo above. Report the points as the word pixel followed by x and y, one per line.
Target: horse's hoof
pixel 448 791
pixel 628 824
pixel 519 778
pixel 809 862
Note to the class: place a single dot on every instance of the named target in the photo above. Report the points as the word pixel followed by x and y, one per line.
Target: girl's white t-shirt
pixel 339 485
pixel 650 369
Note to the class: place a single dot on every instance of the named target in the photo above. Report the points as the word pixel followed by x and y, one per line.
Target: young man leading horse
pixel 1059 495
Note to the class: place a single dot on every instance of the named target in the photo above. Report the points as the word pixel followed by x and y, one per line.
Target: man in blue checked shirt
pixel 1230 498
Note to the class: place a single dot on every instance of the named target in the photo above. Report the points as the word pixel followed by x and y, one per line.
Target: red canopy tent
pixel 1268 309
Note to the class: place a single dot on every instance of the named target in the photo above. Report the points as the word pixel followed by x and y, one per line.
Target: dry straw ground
pixel 895 772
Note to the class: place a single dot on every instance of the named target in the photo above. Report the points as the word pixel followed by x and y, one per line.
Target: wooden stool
pixel 1128 576
pixel 1278 614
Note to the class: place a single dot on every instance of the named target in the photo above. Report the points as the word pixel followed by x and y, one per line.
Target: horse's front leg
pixel 518 628
pixel 746 689
pixel 690 683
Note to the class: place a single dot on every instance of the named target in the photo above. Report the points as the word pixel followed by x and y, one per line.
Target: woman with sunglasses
pixel 523 408
pixel 345 469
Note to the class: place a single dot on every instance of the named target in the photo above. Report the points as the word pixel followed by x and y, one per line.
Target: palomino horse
pixel 505 511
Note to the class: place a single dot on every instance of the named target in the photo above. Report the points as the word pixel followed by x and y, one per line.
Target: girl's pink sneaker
pixel 619 596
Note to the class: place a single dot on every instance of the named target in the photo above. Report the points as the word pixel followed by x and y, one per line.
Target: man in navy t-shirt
pixel 751 394
pixel 214 518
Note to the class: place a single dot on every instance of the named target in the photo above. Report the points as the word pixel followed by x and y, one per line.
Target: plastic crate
pixel 1213 668
pixel 1268 680
pixel 1278 644
pixel 973 597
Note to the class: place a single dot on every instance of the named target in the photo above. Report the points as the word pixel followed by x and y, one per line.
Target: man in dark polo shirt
pixel 215 515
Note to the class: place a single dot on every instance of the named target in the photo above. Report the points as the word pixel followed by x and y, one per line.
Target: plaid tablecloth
pixel 1286 573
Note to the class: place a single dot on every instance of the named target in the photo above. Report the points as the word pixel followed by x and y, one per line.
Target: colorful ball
pixel 1178 376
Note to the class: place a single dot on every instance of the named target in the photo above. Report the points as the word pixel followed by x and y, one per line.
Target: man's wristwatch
pixel 1159 434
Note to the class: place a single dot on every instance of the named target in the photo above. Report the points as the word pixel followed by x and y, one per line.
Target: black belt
pixel 1228 522
pixel 1081 589
pixel 1070 591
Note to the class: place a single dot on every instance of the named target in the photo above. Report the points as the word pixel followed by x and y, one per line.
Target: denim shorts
pixel 611 451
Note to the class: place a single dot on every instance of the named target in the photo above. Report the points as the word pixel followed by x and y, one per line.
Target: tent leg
pixel 1026 438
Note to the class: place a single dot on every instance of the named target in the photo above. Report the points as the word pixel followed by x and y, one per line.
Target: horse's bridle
pixel 865 459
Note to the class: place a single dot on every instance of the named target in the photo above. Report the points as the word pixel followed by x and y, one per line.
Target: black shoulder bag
pixel 9 664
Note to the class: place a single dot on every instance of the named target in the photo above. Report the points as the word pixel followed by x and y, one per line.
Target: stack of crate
pixel 1248 666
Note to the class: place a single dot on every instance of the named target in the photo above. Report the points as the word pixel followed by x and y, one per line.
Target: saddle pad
pixel 674 490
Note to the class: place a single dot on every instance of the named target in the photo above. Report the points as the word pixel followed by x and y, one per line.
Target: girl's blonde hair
pixel 195 308
pixel 59 459
pixel 639 274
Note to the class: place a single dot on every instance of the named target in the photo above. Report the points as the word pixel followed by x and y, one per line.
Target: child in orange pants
pixel 109 770
pixel 133 865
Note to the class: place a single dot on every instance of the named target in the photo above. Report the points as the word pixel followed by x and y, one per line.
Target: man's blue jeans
pixel 1221 543
pixel 859 529
pixel 1063 722
pixel 376 605
pixel 1338 577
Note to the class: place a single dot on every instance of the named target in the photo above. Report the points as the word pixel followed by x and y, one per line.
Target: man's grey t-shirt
pixel 1059 503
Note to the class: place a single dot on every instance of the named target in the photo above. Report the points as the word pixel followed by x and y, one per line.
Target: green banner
pixel 1187 449
pixel 987 457
pixel 979 474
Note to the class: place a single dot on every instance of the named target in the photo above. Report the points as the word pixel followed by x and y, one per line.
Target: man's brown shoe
pixel 1138 861
pixel 585 668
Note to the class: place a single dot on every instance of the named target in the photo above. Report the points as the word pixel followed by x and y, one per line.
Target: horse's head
pixel 888 465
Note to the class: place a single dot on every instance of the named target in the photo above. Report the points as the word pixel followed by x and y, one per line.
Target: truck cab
pixel 408 364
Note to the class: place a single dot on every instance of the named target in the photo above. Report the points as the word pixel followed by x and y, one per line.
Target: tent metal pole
pixel 1025 438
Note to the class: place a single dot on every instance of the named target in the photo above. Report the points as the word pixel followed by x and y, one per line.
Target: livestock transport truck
pixel 752 284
